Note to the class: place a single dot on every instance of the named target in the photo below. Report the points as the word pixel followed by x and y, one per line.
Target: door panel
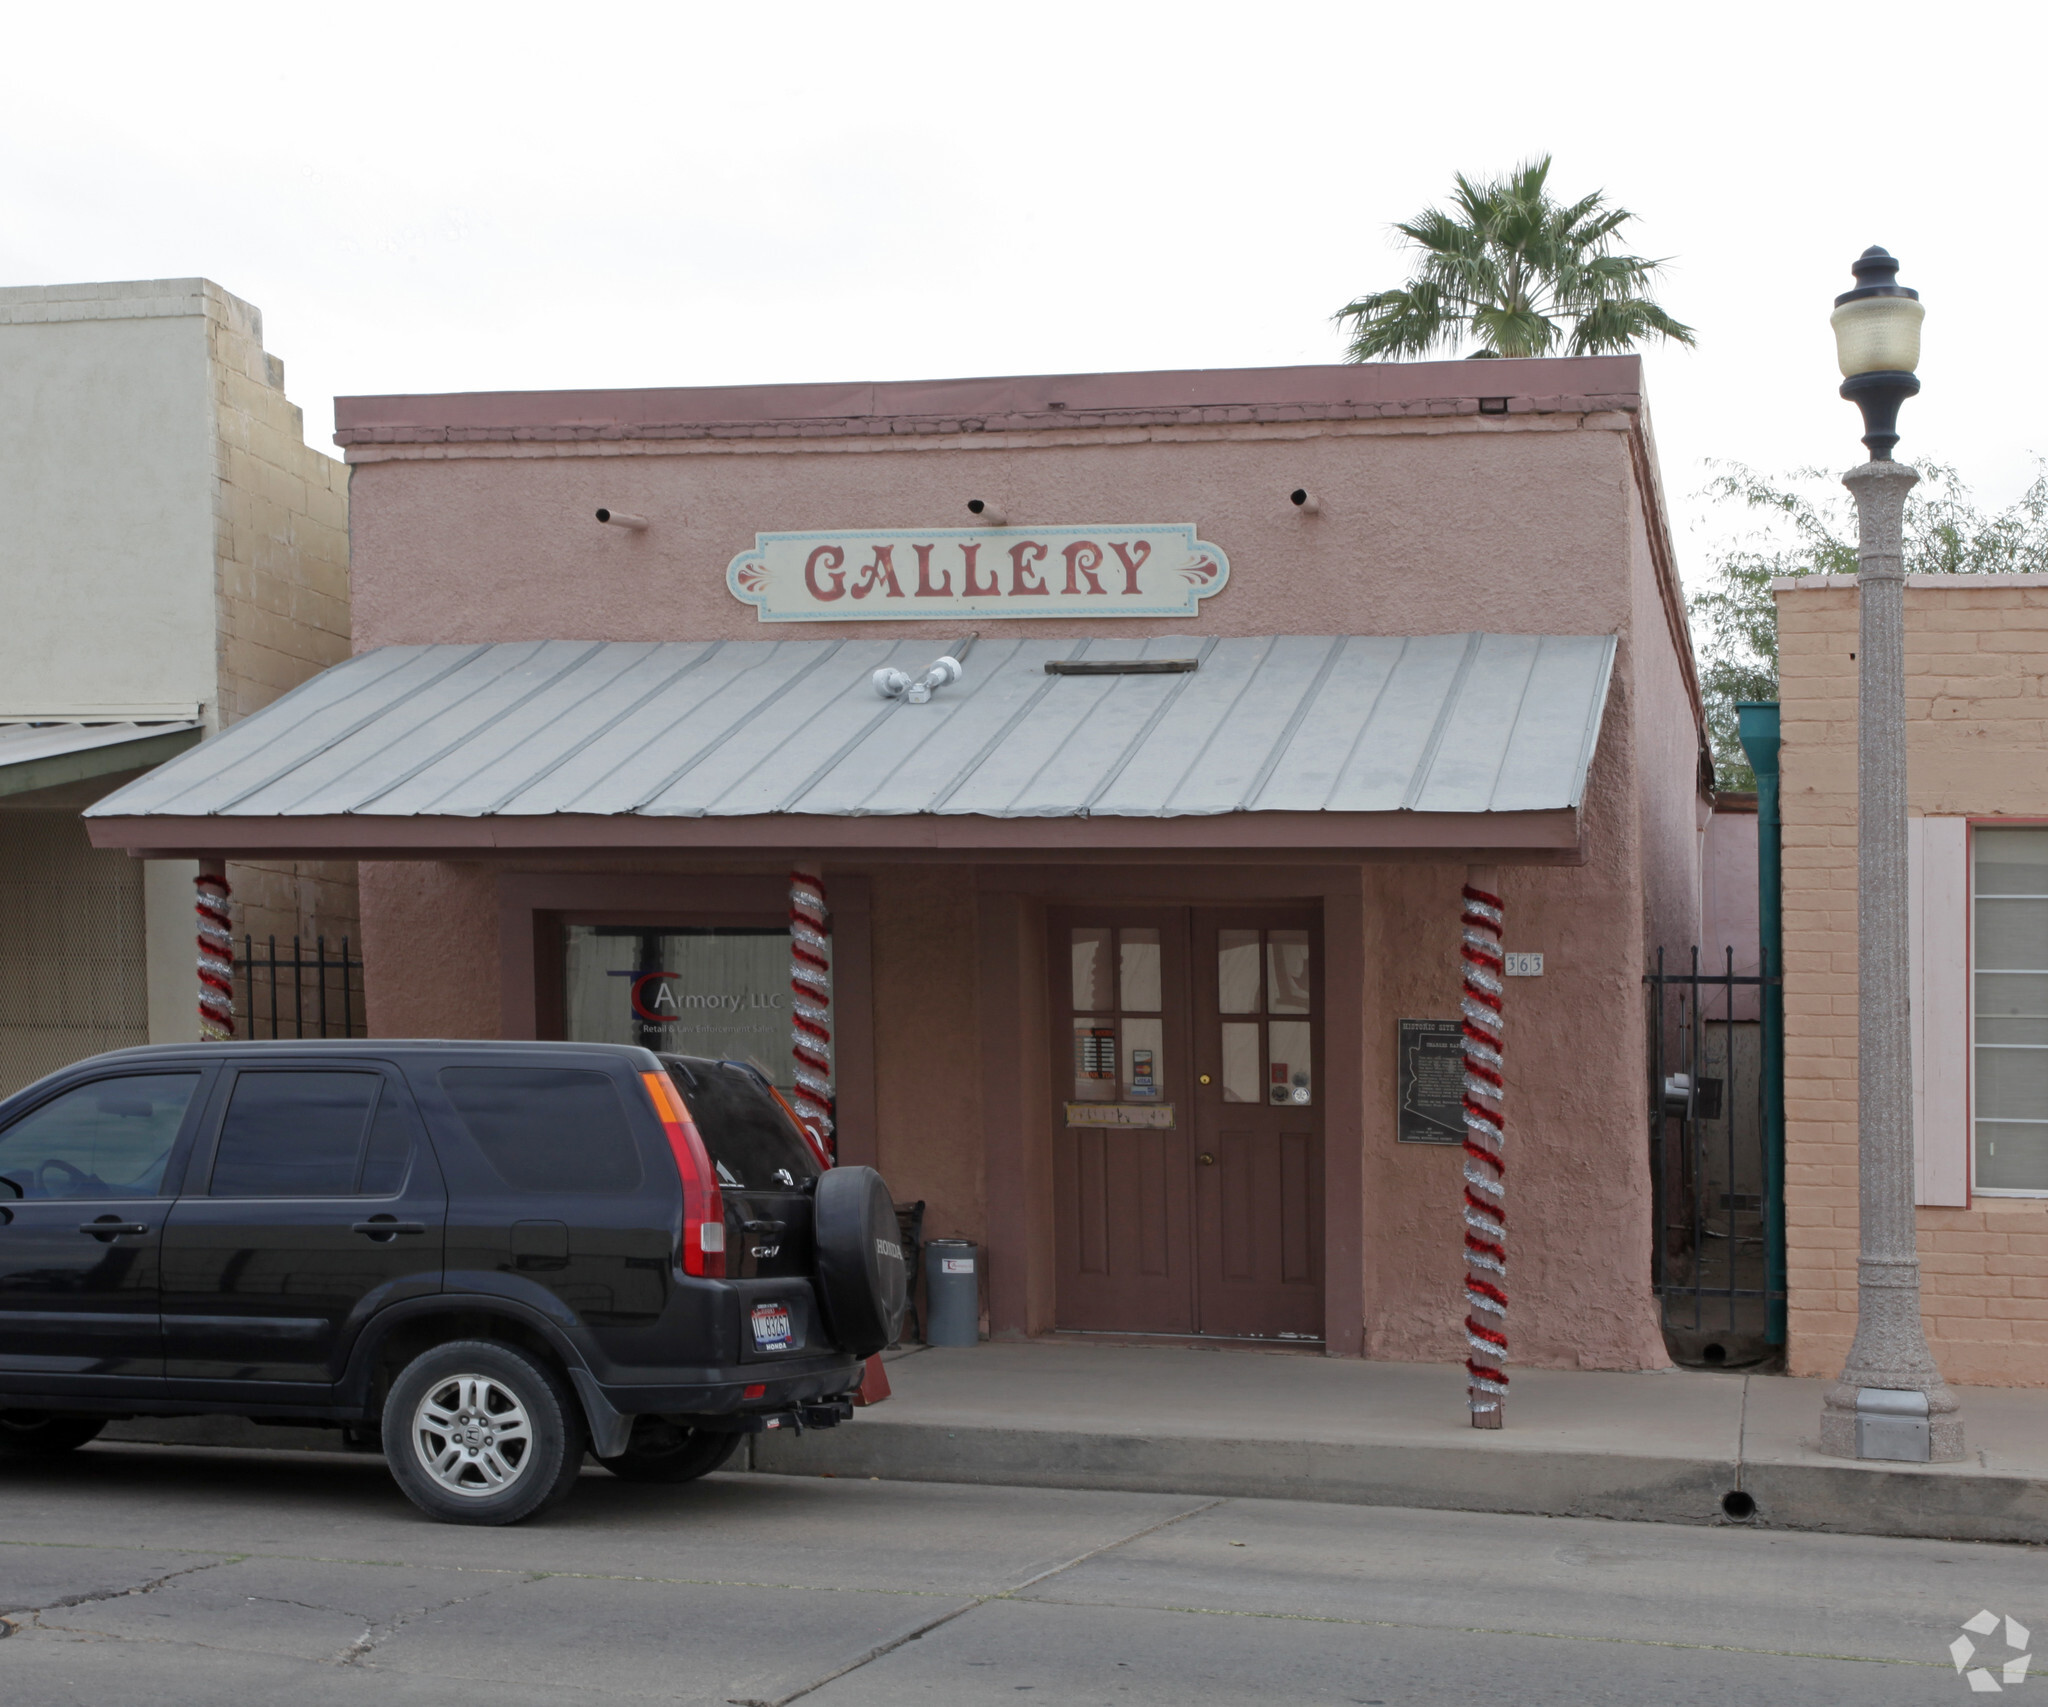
pixel 1257 1123
pixel 274 1256
pixel 1122 1201
pixel 78 1304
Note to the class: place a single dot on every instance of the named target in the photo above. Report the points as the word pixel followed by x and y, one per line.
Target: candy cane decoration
pixel 1486 1231
pixel 216 958
pixel 810 982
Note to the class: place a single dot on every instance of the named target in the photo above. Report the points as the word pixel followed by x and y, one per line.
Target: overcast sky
pixel 451 197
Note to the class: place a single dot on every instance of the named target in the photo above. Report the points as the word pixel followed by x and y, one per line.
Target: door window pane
pixel 1291 1076
pixel 1139 971
pixel 1241 1076
pixel 547 1129
pixel 294 1135
pixel 1091 970
pixel 1144 1060
pixel 2011 996
pixel 107 1139
pixel 721 992
pixel 1237 973
pixel 1095 1059
pixel 1287 972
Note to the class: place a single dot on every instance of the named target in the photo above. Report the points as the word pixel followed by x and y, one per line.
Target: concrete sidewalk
pixel 1665 1447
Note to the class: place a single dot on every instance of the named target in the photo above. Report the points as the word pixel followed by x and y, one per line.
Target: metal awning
pixel 452 745
pixel 48 755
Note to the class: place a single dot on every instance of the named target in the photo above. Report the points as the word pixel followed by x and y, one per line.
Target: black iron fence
pixel 1716 1211
pixel 307 992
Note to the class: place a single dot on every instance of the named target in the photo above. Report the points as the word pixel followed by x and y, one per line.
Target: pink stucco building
pixel 1136 920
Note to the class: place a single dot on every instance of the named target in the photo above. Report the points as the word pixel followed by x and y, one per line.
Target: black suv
pixel 490 1255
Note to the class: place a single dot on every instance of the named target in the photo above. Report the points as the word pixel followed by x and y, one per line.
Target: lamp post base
pixel 1909 1425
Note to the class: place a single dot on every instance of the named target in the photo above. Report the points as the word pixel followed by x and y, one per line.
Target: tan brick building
pixel 1977 720
pixel 173 556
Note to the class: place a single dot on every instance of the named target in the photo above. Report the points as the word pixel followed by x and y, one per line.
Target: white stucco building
pixel 172 557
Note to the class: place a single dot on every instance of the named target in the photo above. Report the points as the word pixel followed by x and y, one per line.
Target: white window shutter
pixel 1938 889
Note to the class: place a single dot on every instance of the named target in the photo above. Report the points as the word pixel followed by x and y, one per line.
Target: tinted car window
pixel 388 1158
pixel 753 1143
pixel 547 1129
pixel 294 1134
pixel 107 1139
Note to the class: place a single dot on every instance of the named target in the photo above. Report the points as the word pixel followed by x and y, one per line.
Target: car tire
pixel 478 1432
pixel 36 1434
pixel 861 1277
pixel 670 1452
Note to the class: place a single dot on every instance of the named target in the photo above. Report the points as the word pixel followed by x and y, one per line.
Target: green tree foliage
pixel 1507 266
pixel 1806 525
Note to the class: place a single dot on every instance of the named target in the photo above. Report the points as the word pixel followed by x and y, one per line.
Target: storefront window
pixel 715 991
pixel 2010 965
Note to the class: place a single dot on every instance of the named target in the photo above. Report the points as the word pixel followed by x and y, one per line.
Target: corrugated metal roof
pixel 1293 723
pixel 24 743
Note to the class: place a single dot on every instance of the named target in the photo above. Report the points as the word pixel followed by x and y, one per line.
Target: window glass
pixel 1144 1060
pixel 293 1134
pixel 388 1158
pixel 2011 998
pixel 111 1138
pixel 1095 1060
pixel 1287 972
pixel 1138 970
pixel 716 991
pixel 753 1144
pixel 1090 954
pixel 1290 1074
pixel 1237 972
pixel 547 1129
pixel 1241 1055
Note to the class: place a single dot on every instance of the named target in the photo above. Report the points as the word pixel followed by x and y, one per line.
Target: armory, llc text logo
pixel 2014 1670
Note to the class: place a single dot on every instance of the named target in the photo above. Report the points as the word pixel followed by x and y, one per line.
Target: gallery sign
pixel 842 576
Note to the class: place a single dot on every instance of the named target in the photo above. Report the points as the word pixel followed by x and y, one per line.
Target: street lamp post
pixel 1890 1400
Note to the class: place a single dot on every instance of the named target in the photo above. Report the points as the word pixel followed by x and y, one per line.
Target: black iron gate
pixel 316 992
pixel 1717 1211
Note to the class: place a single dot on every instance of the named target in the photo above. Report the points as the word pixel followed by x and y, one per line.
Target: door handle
pixel 110 1228
pixel 385 1229
pixel 1207 1160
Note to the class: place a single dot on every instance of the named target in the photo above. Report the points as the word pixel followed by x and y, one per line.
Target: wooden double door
pixel 1187 1100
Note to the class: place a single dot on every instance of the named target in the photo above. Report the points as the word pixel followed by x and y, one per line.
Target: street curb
pixel 1940 1504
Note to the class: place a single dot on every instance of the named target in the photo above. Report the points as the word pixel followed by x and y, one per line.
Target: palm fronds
pixel 1516 274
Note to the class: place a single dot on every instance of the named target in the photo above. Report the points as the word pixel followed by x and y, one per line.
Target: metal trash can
pixel 952 1290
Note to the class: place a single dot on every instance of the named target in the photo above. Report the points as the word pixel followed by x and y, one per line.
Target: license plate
pixel 771 1327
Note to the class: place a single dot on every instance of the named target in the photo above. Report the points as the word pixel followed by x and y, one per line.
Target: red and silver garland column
pixel 1486 1230
pixel 810 982
pixel 216 957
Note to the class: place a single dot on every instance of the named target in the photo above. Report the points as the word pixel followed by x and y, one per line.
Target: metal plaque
pixel 1431 1076
pixel 1153 1116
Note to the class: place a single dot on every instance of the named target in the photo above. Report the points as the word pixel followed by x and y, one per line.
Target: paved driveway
pixel 142 1575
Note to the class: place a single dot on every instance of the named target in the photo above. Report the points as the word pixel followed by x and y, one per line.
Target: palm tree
pixel 1507 266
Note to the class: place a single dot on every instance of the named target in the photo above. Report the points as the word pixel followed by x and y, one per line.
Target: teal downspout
pixel 1758 723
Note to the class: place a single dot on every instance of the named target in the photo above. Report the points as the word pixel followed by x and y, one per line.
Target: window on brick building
pixel 2010 971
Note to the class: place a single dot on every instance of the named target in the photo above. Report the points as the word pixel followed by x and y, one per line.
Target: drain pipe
pixel 1758 724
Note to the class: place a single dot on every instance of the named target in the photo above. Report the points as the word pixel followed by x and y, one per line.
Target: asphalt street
pixel 140 1576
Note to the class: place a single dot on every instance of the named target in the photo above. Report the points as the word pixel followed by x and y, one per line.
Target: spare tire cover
pixel 860 1271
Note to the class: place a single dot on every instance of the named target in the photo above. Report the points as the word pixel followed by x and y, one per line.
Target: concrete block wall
pixel 281 593
pixel 1977 722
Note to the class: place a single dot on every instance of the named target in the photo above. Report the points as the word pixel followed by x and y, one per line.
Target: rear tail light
pixel 703 1249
